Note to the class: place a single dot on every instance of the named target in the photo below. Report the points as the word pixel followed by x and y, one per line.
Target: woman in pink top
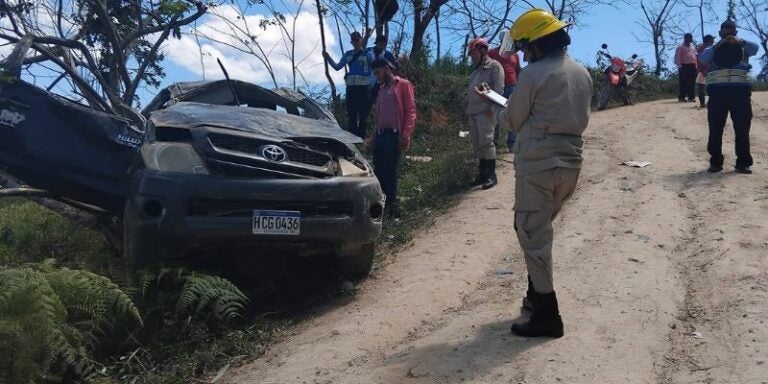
pixel 685 59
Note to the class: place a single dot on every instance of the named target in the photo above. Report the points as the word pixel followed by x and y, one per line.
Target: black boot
pixel 529 301
pixel 490 174
pixel 481 174
pixel 545 320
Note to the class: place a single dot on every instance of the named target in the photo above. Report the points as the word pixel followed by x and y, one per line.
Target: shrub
pixel 52 319
pixel 32 233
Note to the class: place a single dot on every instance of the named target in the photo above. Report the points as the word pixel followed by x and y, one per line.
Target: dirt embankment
pixel 661 273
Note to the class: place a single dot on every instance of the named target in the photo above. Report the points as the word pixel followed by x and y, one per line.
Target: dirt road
pixel 661 273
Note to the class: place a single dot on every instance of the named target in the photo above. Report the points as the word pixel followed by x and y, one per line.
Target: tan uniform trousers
pixel 538 199
pixel 481 133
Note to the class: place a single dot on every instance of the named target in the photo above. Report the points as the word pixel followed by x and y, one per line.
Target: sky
pixel 618 27
pixel 186 60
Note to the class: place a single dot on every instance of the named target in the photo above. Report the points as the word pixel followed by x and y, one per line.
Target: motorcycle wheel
pixel 605 96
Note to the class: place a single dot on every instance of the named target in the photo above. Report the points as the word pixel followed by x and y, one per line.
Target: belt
pixel 389 130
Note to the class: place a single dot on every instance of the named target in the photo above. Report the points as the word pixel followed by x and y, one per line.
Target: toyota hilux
pixel 217 163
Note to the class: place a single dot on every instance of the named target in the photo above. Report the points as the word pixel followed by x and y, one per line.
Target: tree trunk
pixel 438 51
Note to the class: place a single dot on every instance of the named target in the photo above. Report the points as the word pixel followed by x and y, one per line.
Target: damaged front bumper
pixel 175 214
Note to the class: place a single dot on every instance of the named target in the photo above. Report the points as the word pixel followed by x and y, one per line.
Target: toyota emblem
pixel 274 153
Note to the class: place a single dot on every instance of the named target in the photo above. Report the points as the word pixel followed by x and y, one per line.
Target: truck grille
pixel 296 153
pixel 245 208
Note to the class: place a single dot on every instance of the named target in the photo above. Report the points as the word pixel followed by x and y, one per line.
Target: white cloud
pixel 186 53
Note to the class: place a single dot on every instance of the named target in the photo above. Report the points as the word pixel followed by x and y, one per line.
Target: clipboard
pixel 495 97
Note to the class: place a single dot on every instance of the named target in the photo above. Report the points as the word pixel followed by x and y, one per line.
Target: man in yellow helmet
pixel 549 111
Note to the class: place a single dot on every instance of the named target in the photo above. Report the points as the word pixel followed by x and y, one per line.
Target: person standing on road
pixel 701 78
pixel 358 81
pixel 549 110
pixel 511 64
pixel 481 113
pixel 685 59
pixel 395 122
pixel 730 91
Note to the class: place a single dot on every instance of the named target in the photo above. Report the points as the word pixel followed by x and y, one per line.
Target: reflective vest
pixel 733 75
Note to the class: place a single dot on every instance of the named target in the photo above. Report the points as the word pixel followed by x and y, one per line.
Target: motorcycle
pixel 619 76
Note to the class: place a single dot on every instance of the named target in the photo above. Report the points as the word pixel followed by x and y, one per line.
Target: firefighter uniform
pixel 549 123
pixel 481 123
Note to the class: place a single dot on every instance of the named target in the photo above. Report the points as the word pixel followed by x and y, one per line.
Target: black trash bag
pixel 386 9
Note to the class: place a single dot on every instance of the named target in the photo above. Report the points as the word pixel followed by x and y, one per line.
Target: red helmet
pixel 477 42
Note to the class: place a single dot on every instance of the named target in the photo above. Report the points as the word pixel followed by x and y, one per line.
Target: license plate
pixel 276 222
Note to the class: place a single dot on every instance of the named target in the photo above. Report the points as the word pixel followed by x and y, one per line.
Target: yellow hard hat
pixel 535 24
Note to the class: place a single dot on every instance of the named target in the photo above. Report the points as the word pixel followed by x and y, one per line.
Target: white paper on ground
pixel 636 164
pixel 463 134
pixel 420 159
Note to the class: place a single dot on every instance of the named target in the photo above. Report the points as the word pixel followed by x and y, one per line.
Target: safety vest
pixel 736 74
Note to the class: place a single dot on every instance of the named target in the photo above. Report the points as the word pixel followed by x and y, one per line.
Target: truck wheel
pixel 137 252
pixel 359 265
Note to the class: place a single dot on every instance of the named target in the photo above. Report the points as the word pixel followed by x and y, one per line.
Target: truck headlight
pixel 173 157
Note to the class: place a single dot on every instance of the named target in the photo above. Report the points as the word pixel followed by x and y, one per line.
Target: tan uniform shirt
pixel 491 72
pixel 549 110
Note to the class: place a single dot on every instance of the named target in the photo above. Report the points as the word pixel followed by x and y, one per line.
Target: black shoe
pixel 744 170
pixel 545 320
pixel 529 301
pixel 715 168
pixel 490 174
pixel 681 100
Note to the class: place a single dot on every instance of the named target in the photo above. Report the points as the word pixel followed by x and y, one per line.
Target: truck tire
pixel 359 265
pixel 137 252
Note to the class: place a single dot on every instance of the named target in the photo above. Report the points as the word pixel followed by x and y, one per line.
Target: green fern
pixel 51 319
pixel 200 296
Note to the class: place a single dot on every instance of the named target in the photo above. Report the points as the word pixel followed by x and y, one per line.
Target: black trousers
pixel 738 102
pixel 687 82
pixel 386 158
pixel 358 108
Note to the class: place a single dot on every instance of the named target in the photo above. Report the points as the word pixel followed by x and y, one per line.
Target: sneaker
pixel 715 168
pixel 744 170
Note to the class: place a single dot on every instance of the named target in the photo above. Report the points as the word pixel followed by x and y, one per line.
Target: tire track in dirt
pixel 624 251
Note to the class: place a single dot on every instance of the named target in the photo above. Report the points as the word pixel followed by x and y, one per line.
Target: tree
pixel 702 8
pixel 238 33
pixel 483 18
pixel 569 10
pixel 105 49
pixel 754 17
pixel 423 14
pixel 656 21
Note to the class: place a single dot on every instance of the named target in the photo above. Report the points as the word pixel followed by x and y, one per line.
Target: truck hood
pixel 265 122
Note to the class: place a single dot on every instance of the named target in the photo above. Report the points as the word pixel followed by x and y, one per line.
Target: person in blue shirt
pixel 730 91
pixel 380 51
pixel 359 80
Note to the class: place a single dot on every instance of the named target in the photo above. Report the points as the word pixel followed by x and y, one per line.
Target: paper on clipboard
pixel 495 97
